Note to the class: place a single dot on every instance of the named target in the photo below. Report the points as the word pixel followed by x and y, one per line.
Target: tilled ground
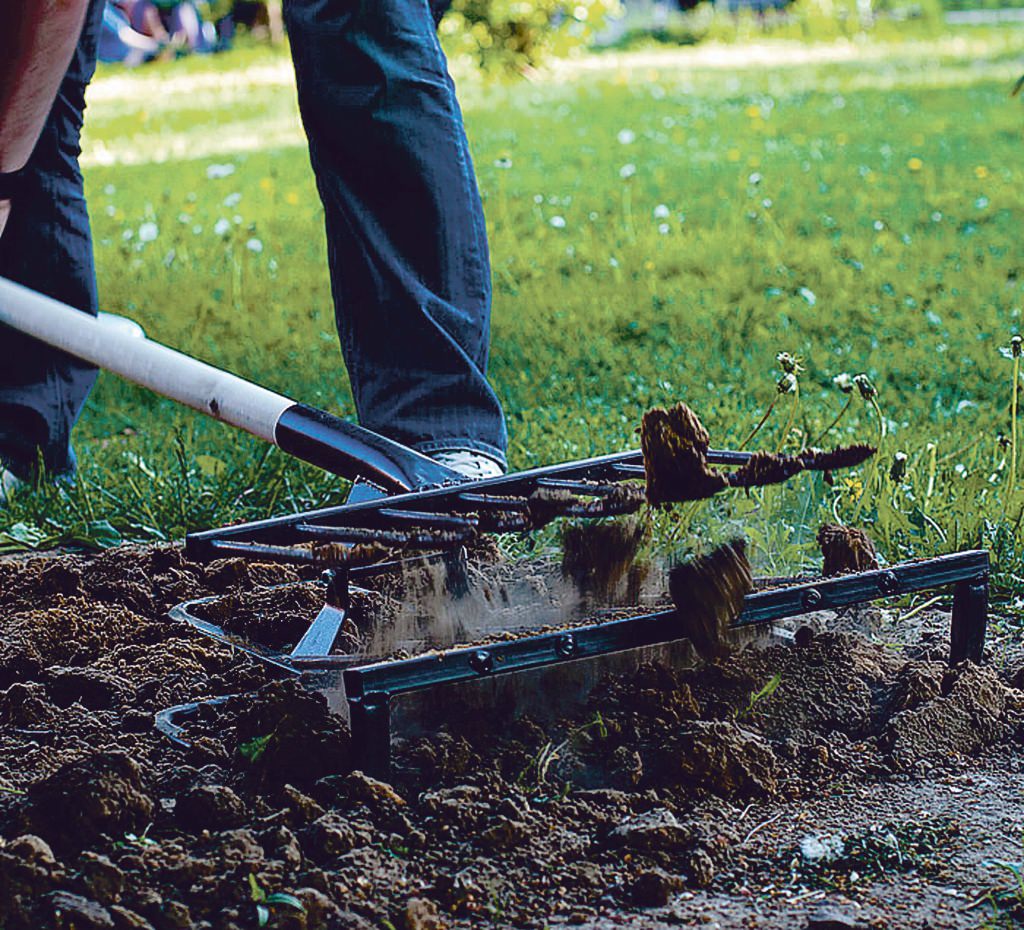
pixel 867 777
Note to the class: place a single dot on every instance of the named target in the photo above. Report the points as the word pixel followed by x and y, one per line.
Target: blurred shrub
pixel 512 35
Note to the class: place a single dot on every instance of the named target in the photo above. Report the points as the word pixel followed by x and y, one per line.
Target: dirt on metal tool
pixel 464 648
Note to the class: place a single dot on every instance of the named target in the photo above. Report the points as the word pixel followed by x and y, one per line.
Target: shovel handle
pixel 306 433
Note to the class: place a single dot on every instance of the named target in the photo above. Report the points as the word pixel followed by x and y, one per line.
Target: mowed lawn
pixel 662 225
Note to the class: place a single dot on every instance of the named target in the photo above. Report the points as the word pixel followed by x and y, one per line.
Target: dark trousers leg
pixel 407 244
pixel 47 246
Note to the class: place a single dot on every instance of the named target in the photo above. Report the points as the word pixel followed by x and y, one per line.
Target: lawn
pixel 663 223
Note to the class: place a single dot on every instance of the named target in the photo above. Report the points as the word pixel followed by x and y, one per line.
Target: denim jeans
pixel 406 239
pixel 47 246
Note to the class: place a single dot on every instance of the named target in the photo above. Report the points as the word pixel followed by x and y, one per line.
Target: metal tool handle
pixel 304 432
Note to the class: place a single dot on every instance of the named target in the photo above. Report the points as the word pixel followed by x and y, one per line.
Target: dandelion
pixel 980 172
pixel 558 222
pixel 845 383
pixel 898 468
pixel 661 212
pixel 1015 351
pixel 291 198
pixel 789 383
pixel 870 393
pixel 863 384
pixel 626 137
pixel 790 364
pixel 627 171
pixel 254 245
pixel 148 232
pixel 914 164
pixel 733 155
pixel 266 184
pixel 753 111
pixel 222 227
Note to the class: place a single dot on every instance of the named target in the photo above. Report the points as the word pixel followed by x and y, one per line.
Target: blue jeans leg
pixel 47 246
pixel 407 244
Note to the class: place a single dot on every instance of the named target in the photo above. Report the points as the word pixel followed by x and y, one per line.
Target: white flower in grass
pixel 626 136
pixel 221 227
pixel 627 171
pixel 558 222
pixel 219 171
pixel 232 200
pixel 661 212
pixel 148 232
pixel 254 245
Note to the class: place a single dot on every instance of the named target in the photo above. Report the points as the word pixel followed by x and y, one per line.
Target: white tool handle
pixel 169 373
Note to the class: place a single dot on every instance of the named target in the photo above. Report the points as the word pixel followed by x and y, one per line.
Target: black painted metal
pixel 353 451
pixel 370 688
pixel 491 505
pixel 969 621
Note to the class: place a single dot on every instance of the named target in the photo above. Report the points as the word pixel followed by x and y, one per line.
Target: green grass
pixel 858 207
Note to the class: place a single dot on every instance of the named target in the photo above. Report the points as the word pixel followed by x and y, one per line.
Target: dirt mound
pixel 648 798
pixel 968 712
pixel 101 794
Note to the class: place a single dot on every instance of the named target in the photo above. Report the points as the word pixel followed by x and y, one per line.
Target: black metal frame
pixel 442 517
pixel 371 688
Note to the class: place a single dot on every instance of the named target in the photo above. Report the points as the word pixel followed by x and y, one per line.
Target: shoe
pixel 474 465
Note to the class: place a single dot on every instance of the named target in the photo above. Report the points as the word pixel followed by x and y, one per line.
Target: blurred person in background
pixel 407 245
pixel 176 23
pixel 118 42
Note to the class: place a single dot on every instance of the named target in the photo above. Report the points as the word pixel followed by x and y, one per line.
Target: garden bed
pixel 677 795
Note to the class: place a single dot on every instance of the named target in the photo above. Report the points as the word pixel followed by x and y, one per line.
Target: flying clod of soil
pixel 708 592
pixel 846 549
pixel 675 447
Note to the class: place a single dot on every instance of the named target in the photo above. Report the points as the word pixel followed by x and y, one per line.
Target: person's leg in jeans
pixel 47 246
pixel 406 238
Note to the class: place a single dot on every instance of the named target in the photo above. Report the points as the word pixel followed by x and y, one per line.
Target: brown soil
pixel 675 447
pixel 675 798
pixel 709 591
pixel 846 549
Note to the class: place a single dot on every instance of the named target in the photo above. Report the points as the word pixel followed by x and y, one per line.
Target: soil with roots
pixel 853 780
